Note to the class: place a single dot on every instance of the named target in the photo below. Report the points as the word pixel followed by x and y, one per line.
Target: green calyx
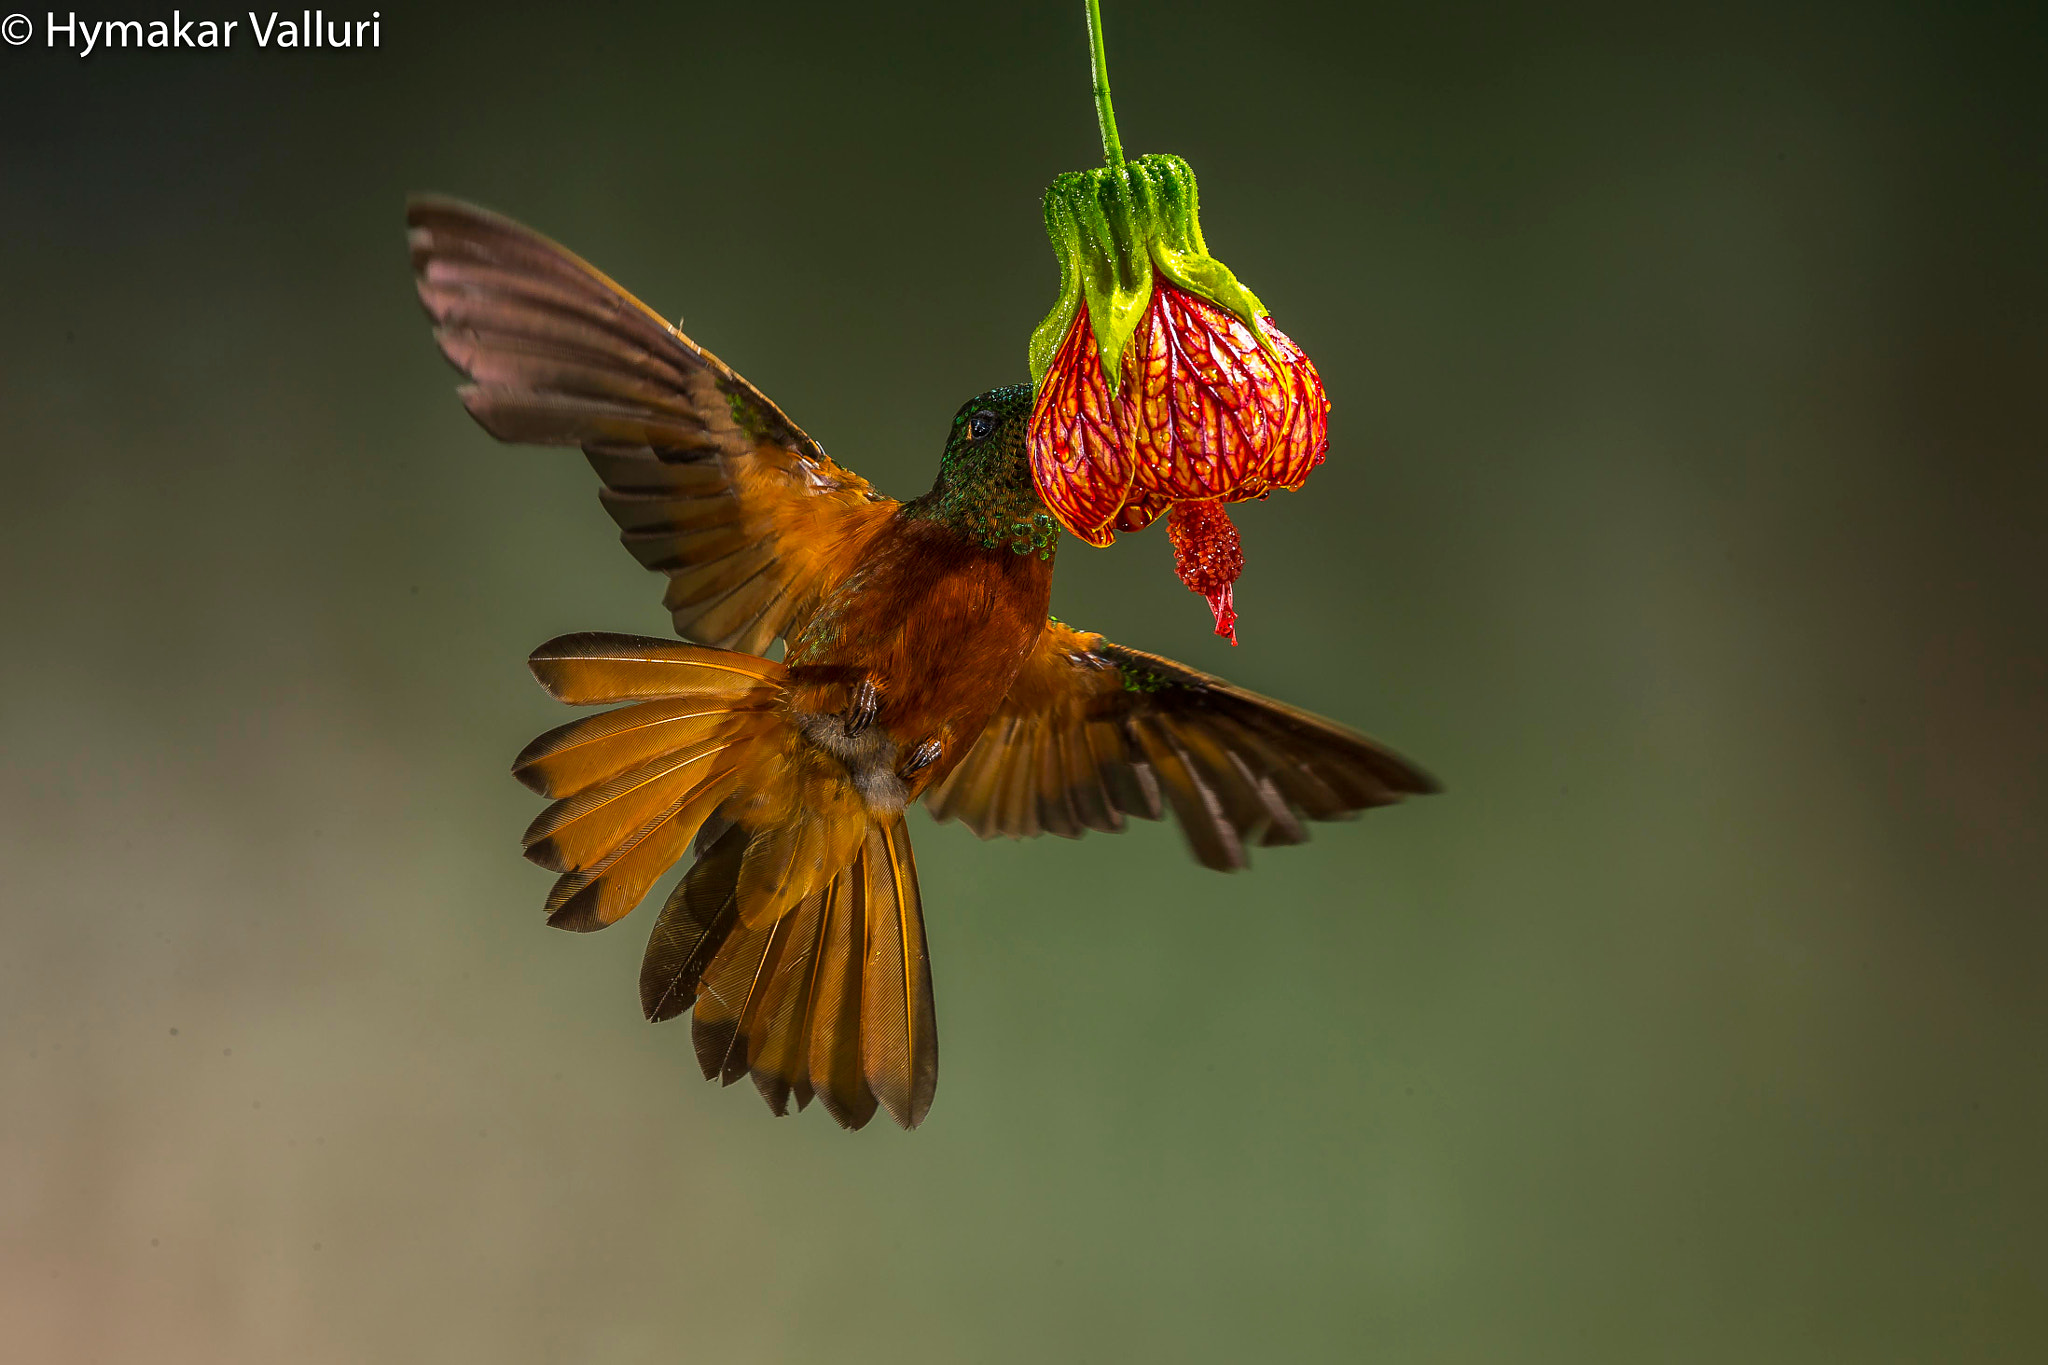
pixel 1111 228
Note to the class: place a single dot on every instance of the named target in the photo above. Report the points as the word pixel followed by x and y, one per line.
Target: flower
pixel 1162 384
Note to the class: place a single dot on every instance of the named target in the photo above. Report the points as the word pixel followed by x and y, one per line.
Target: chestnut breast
pixel 940 625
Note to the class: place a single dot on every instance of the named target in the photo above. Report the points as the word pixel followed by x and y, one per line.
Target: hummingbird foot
pixel 861 711
pixel 922 757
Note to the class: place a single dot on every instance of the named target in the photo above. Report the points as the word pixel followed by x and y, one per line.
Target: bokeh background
pixel 1685 513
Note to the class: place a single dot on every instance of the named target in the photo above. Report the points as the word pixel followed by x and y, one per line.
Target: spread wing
pixel 709 482
pixel 1092 732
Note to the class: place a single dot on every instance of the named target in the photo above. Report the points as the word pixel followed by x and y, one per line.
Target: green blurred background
pixel 1684 512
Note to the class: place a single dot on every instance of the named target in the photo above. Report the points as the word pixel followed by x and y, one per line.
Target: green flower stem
pixel 1112 148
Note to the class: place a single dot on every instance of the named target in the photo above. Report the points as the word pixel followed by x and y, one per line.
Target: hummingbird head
pixel 984 486
pixel 988 434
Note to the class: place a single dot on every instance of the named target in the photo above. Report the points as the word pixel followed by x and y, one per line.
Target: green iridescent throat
pixel 984 489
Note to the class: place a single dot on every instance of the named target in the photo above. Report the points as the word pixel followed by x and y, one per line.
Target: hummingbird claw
pixel 860 713
pixel 923 756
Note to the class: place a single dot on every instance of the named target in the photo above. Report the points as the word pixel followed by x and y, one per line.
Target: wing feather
pixel 1200 811
pixel 1083 781
pixel 1056 811
pixel 1092 732
pixel 707 479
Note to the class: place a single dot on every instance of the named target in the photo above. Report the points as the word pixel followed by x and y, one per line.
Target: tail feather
pixel 583 831
pixel 780 1031
pixel 583 901
pixel 596 668
pixel 797 937
pixel 730 996
pixel 575 757
pixel 692 927
pixel 833 1055
pixel 635 784
pixel 831 1000
pixel 899 1043
pixel 798 855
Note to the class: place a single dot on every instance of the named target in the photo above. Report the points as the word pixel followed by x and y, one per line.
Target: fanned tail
pixel 832 999
pixel 634 784
pixel 797 937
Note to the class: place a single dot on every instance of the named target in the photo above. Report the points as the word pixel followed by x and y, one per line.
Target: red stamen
pixel 1208 557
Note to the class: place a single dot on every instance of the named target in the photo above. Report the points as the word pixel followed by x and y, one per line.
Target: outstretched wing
pixel 1092 732
pixel 707 479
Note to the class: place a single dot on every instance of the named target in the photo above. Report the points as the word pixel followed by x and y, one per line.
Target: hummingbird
pixel 919 664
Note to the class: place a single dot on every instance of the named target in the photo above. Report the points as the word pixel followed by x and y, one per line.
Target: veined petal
pixel 1077 447
pixel 1305 436
pixel 1207 408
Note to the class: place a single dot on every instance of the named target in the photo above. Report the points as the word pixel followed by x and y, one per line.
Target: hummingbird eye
pixel 980 425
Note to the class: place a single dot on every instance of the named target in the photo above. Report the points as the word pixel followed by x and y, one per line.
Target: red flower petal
pixel 1305 437
pixel 1208 405
pixel 1206 416
pixel 1208 558
pixel 1078 455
